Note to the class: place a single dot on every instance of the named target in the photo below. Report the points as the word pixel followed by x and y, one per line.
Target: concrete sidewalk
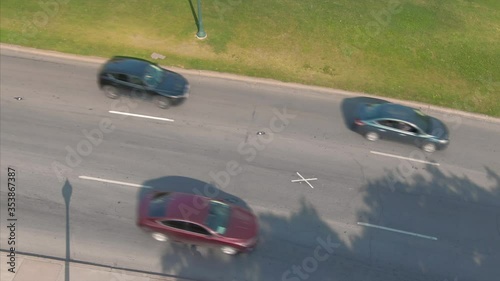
pixel 33 268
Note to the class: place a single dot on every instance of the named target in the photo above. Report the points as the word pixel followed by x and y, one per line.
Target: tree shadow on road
pixel 294 237
pixel 430 202
pixel 463 214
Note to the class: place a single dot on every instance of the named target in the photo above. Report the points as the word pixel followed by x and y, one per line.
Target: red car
pixel 198 220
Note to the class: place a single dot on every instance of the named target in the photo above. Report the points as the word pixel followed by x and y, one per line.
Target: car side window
pixel 175 224
pixel 136 80
pixel 387 123
pixel 403 126
pixel 121 77
pixel 197 229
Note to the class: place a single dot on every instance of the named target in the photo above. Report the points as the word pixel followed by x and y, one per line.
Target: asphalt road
pixel 448 207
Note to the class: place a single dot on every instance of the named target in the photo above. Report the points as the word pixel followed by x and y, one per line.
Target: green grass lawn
pixel 444 52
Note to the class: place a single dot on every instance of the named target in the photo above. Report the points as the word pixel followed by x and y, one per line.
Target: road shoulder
pixel 253 80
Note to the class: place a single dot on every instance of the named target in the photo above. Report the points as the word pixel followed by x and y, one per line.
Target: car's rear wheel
pixel 162 102
pixel 111 92
pixel 159 236
pixel 229 250
pixel 372 136
pixel 429 147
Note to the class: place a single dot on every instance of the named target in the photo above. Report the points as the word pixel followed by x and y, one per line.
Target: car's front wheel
pixel 162 102
pixel 229 250
pixel 371 136
pixel 159 236
pixel 111 92
pixel 429 147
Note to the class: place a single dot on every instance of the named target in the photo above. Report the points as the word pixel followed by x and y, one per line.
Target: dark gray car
pixel 401 123
pixel 125 75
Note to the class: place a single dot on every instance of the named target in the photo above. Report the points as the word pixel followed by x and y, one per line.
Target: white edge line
pixel 396 230
pixel 405 158
pixel 115 182
pixel 139 115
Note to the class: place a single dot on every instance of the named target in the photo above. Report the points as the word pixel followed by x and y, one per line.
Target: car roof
pixel 400 112
pixel 128 65
pixel 188 207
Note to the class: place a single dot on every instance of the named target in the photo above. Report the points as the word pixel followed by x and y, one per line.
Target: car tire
pixel 229 250
pixel 162 102
pixel 372 136
pixel 159 236
pixel 111 92
pixel 429 147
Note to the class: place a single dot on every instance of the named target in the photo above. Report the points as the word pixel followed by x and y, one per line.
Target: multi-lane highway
pixel 372 213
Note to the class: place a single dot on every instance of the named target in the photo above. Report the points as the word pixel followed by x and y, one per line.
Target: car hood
pixel 438 129
pixel 242 224
pixel 173 84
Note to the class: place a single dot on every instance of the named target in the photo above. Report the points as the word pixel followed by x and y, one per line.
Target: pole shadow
pixel 193 12
pixel 67 190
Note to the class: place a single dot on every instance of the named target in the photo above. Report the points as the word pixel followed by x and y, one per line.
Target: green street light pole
pixel 201 32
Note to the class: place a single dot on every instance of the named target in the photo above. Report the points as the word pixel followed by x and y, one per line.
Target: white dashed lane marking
pixel 405 158
pixel 397 230
pixel 141 116
pixel 112 181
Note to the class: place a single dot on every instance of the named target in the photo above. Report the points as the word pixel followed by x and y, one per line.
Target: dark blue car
pixel 125 75
pixel 401 123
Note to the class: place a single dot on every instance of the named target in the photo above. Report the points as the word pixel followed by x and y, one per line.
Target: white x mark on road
pixel 306 180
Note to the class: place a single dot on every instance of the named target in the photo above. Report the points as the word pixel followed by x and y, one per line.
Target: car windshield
pixel 158 205
pixel 422 121
pixel 218 216
pixel 153 75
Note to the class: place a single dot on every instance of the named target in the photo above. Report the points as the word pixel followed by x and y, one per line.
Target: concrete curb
pixel 29 266
pixel 264 81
